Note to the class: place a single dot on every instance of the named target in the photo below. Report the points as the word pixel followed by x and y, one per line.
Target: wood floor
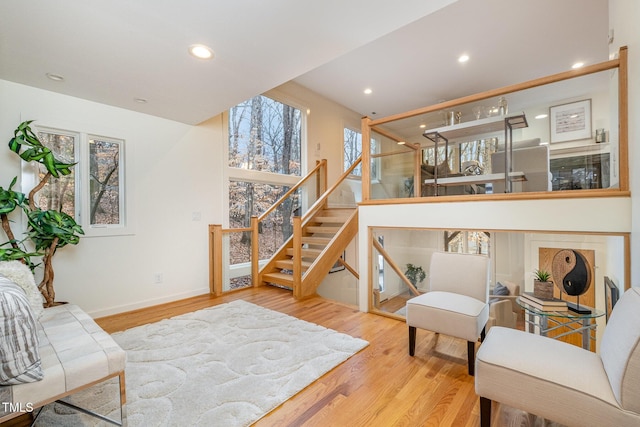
pixel 380 386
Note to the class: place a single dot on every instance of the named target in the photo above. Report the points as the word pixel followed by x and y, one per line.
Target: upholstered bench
pixel 74 353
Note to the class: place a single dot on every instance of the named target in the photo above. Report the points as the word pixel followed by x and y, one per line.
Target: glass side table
pixel 575 322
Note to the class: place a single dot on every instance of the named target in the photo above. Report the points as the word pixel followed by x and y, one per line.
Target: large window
pixel 264 135
pixel 94 191
pixel 265 149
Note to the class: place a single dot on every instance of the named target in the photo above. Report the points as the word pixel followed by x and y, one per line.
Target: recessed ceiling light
pixel 463 58
pixel 368 91
pixel 542 116
pixel 55 77
pixel 201 51
pixel 140 100
pixel 577 65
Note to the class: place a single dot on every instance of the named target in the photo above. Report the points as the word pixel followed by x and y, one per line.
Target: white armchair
pixel 562 382
pixel 457 301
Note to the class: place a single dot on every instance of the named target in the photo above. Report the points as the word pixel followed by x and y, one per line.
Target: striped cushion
pixel 19 352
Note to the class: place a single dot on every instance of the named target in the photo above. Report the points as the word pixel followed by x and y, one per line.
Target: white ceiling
pixel 406 51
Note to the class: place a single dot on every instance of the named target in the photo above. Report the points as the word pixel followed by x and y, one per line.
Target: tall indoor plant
pixel 48 230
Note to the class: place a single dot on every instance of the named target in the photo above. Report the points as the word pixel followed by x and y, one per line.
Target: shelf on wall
pixel 476 127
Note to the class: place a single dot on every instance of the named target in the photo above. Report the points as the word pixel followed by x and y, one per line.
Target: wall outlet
pixel 157 277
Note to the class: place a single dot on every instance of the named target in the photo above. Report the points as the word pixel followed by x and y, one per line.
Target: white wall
pixel 624 16
pixel 173 170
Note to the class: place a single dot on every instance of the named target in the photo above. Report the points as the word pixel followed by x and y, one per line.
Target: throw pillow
pixel 19 353
pixel 500 289
pixel 22 276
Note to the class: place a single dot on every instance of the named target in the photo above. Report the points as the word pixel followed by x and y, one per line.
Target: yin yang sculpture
pixel 571 272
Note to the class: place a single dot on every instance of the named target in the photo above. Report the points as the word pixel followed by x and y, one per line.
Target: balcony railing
pixel 563 135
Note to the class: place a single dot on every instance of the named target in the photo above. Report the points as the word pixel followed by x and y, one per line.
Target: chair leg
pixel 412 340
pixel 485 412
pixel 483 333
pixel 471 357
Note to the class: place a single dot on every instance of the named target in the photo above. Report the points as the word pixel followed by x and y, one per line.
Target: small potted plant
pixel 542 284
pixel 415 274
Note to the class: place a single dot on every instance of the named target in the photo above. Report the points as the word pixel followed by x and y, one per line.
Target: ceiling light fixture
pixel 55 77
pixel 463 58
pixel 201 51
pixel 542 116
pixel 577 65
pixel 368 91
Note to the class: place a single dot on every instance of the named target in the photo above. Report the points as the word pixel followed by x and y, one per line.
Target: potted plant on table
pixel 415 274
pixel 48 230
pixel 542 284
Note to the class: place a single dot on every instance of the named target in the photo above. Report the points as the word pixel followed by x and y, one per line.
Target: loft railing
pixel 582 142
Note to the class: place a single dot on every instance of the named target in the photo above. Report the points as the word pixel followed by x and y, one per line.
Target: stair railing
pixel 320 172
pixel 219 237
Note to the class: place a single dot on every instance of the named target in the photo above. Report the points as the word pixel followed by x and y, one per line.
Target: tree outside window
pixel 104 181
pixel 265 137
pixel 58 194
pixel 353 150
pixel 104 193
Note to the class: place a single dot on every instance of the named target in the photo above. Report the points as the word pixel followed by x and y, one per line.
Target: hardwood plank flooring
pixel 380 386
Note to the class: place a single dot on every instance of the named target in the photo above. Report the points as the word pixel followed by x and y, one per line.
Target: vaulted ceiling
pixel 120 52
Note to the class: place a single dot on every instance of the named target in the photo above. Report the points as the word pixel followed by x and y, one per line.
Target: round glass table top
pixel 568 313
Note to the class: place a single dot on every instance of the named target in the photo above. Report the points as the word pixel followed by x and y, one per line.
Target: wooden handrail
pixel 323 199
pixel 321 163
pixel 554 78
pixel 394 266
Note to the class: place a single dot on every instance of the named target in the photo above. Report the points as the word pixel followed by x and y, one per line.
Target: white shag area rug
pixel 228 365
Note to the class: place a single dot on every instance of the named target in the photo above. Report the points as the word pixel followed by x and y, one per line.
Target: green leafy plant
pixel 10 200
pixel 415 274
pixel 48 230
pixel 542 275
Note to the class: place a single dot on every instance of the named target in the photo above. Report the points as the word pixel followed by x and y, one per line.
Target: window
pixel 265 135
pixel 353 150
pixel 467 242
pixel 58 194
pixel 105 185
pixel 94 191
pixel 265 149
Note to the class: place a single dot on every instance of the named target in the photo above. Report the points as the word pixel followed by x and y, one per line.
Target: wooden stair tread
pixel 278 278
pixel 287 264
pixel 319 229
pixel 316 240
pixel 331 219
pixel 307 253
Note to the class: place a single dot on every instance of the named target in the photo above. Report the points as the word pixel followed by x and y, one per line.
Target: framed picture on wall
pixel 571 121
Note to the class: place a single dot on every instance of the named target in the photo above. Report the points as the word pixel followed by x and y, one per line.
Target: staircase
pixel 307 257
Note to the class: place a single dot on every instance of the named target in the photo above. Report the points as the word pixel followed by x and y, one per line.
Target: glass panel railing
pixel 555 134
pixel 393 168
pixel 261 220
pixel 514 255
pixel 236 256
